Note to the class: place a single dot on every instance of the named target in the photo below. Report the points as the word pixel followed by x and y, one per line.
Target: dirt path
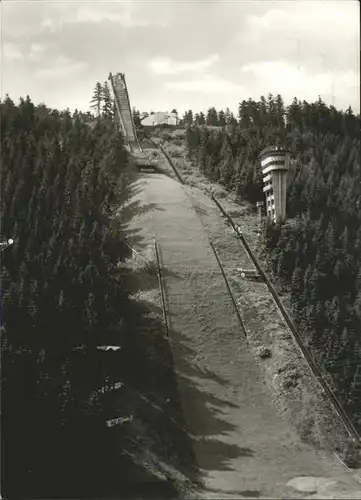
pixel 243 447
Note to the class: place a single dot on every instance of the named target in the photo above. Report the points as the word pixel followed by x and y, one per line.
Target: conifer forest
pixel 316 254
pixel 66 200
pixel 64 293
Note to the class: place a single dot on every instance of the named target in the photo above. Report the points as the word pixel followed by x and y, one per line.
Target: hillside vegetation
pixel 316 255
pixel 66 291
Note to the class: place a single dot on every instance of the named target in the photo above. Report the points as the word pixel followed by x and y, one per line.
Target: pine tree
pixel 228 115
pixel 212 117
pixel 188 117
pixel 280 110
pixel 244 115
pixel 108 102
pixel 202 118
pixel 97 99
pixel 222 118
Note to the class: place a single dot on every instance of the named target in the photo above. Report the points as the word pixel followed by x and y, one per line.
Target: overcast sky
pixel 182 54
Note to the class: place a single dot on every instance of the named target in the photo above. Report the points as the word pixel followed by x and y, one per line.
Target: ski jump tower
pixel 275 165
pixel 124 113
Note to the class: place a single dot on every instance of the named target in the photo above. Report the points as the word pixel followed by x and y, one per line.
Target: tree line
pixel 211 118
pixel 316 254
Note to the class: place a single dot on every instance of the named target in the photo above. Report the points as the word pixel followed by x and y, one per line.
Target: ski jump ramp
pixel 124 113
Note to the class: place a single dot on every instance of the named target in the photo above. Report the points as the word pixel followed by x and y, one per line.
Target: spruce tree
pixel 212 117
pixel 107 101
pixel 97 99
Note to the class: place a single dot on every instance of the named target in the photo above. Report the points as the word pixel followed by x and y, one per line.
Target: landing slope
pixel 243 447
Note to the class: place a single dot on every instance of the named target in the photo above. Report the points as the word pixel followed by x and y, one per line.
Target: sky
pixel 182 54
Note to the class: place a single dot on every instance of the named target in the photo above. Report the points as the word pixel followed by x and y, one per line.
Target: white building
pixel 275 165
pixel 160 118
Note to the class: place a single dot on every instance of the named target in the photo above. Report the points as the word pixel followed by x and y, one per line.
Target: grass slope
pixel 295 393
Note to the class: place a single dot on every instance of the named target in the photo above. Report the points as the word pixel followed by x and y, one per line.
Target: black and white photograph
pixel 180 249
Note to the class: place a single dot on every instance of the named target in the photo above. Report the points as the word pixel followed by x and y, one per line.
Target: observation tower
pixel 275 165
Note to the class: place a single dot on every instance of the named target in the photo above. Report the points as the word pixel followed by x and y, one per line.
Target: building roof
pixel 271 149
